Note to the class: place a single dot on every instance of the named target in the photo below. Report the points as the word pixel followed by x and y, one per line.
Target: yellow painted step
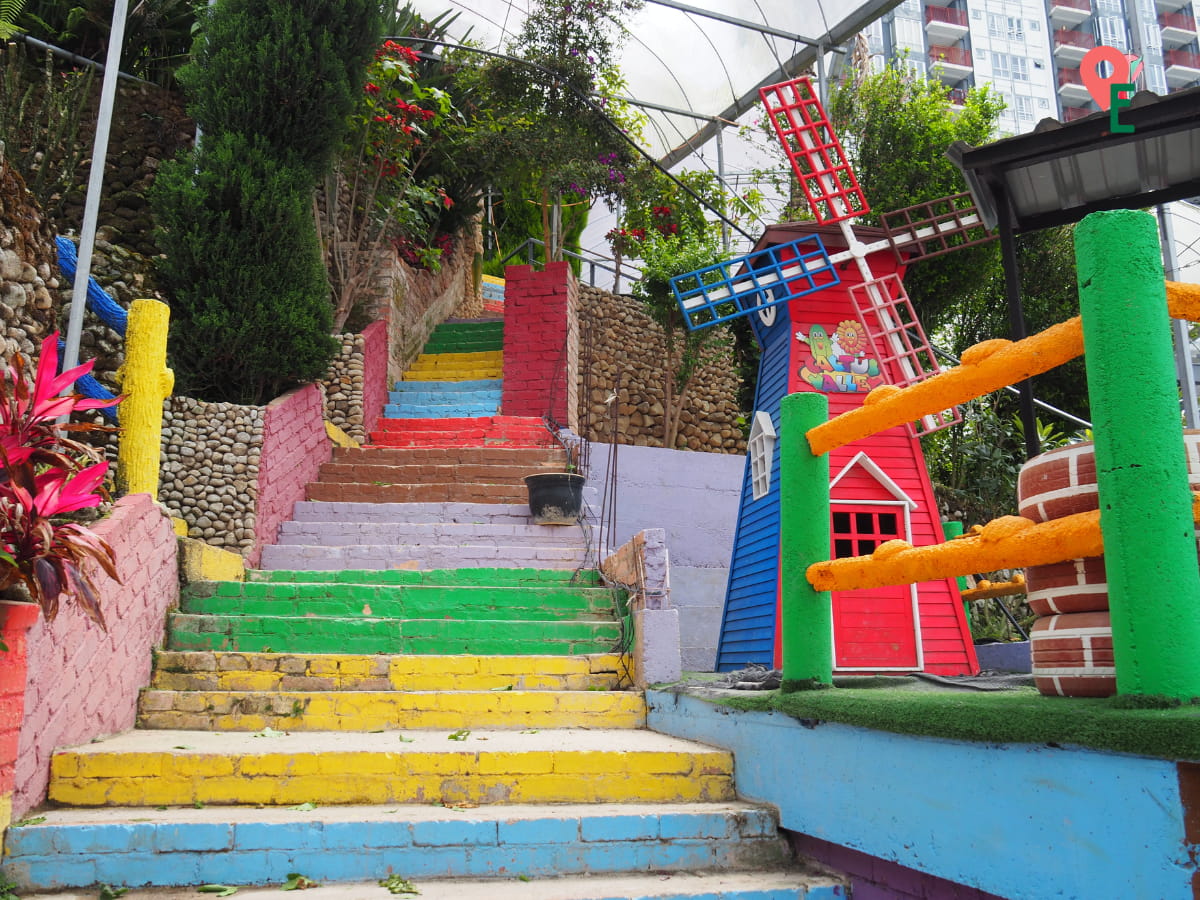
pixel 193 670
pixel 453 374
pixel 170 768
pixel 370 710
pixel 436 363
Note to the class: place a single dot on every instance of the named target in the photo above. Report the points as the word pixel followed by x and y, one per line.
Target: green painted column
pixel 807 616
pixel 952 530
pixel 1145 501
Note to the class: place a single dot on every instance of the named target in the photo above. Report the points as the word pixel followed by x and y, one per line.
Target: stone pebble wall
pixel 627 349
pixel 149 125
pixel 356 383
pixel 28 274
pixel 82 682
pixel 211 455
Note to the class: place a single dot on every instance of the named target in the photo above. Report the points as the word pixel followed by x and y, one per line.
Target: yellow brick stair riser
pixel 157 779
pixel 348 672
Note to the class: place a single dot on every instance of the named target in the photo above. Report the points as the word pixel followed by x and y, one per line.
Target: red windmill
pixel 848 326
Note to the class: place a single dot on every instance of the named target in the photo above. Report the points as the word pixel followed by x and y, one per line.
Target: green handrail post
pixel 806 617
pixel 1141 470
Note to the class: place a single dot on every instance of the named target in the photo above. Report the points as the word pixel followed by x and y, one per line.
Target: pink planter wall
pixel 375 377
pixel 294 445
pixel 82 682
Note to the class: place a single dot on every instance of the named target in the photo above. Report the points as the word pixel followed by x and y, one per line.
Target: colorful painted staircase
pixel 419 683
pixel 248 766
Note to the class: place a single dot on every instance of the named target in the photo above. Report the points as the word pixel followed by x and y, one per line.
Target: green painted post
pixel 1145 501
pixel 807 616
pixel 952 530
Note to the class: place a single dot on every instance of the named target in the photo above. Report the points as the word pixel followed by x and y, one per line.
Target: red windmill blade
pixel 913 233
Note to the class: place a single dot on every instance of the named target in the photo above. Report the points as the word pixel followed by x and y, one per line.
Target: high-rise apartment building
pixel 1030 50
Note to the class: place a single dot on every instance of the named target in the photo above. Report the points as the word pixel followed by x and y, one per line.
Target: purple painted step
pixel 497 513
pixel 391 556
pixel 344 534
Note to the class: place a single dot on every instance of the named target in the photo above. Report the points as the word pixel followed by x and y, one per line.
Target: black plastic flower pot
pixel 555 498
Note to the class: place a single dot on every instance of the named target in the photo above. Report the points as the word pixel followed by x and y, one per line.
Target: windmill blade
pixel 932 229
pixel 814 151
pixel 756 281
pixel 887 315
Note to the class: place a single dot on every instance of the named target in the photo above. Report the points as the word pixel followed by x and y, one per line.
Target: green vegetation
pixel 538 132
pixel 271 85
pixel 1020 716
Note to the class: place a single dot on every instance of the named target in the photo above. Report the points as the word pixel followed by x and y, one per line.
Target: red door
pixel 873 629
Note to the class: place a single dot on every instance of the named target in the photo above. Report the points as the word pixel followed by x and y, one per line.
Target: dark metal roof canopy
pixel 1059 173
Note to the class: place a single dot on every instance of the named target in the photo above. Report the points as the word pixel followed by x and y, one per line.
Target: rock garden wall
pixel 627 349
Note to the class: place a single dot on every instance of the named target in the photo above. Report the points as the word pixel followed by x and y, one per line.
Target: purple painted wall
pixel 694 498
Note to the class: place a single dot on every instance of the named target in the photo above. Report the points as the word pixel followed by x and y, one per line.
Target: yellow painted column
pixel 145 383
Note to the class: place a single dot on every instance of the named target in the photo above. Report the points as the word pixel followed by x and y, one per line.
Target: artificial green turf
pixel 1018 716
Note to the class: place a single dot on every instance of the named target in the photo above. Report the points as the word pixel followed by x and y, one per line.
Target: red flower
pixel 371 88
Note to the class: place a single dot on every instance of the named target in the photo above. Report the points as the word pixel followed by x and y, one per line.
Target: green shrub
pixel 286 70
pixel 250 300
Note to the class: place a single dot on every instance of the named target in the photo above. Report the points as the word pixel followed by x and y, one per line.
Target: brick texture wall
pixel 294 445
pixel 83 682
pixel 541 343
pixel 375 373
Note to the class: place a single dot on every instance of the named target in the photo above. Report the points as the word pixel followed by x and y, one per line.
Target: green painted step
pixel 475 577
pixel 401 602
pixel 327 634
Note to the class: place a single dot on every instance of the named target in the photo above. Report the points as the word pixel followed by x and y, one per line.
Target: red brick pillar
pixel 541 343
pixel 15 621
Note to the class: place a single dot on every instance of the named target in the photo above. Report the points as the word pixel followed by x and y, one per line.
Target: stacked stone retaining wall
pixel 627 352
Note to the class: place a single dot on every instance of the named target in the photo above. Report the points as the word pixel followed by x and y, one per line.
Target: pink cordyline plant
pixel 43 475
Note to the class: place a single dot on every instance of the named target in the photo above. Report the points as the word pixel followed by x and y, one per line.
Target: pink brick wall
pixel 294 445
pixel 541 343
pixel 82 682
pixel 375 376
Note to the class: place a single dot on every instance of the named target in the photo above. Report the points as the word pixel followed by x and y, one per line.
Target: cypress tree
pixel 271 84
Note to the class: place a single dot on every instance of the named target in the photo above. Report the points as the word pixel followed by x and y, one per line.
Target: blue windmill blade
pixel 758 280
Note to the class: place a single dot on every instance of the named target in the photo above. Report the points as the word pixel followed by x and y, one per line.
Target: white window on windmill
pixel 761 448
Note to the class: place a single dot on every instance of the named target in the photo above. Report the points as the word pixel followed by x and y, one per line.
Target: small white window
pixel 1024 109
pixel 1020 68
pixel 761 448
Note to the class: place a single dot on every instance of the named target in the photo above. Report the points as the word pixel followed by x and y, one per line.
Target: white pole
pixel 91 209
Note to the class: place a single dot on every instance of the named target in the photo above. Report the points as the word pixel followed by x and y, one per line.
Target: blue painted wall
pixel 1023 821
pixel 748 624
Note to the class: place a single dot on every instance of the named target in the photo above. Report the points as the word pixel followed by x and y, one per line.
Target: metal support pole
pixel 91 209
pixel 1016 323
pixel 1179 327
pixel 721 181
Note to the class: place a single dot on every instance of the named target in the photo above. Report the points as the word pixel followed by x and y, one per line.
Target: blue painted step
pixel 448 410
pixel 242 845
pixel 482 396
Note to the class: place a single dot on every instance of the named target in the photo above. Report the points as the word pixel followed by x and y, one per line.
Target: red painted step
pixel 486 431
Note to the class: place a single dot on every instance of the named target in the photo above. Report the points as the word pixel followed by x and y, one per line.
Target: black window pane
pixel 843 548
pixel 841 522
pixel 865 523
pixel 887 523
pixel 866 548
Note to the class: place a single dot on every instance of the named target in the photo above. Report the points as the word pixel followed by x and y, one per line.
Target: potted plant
pixel 556 498
pixel 45 475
